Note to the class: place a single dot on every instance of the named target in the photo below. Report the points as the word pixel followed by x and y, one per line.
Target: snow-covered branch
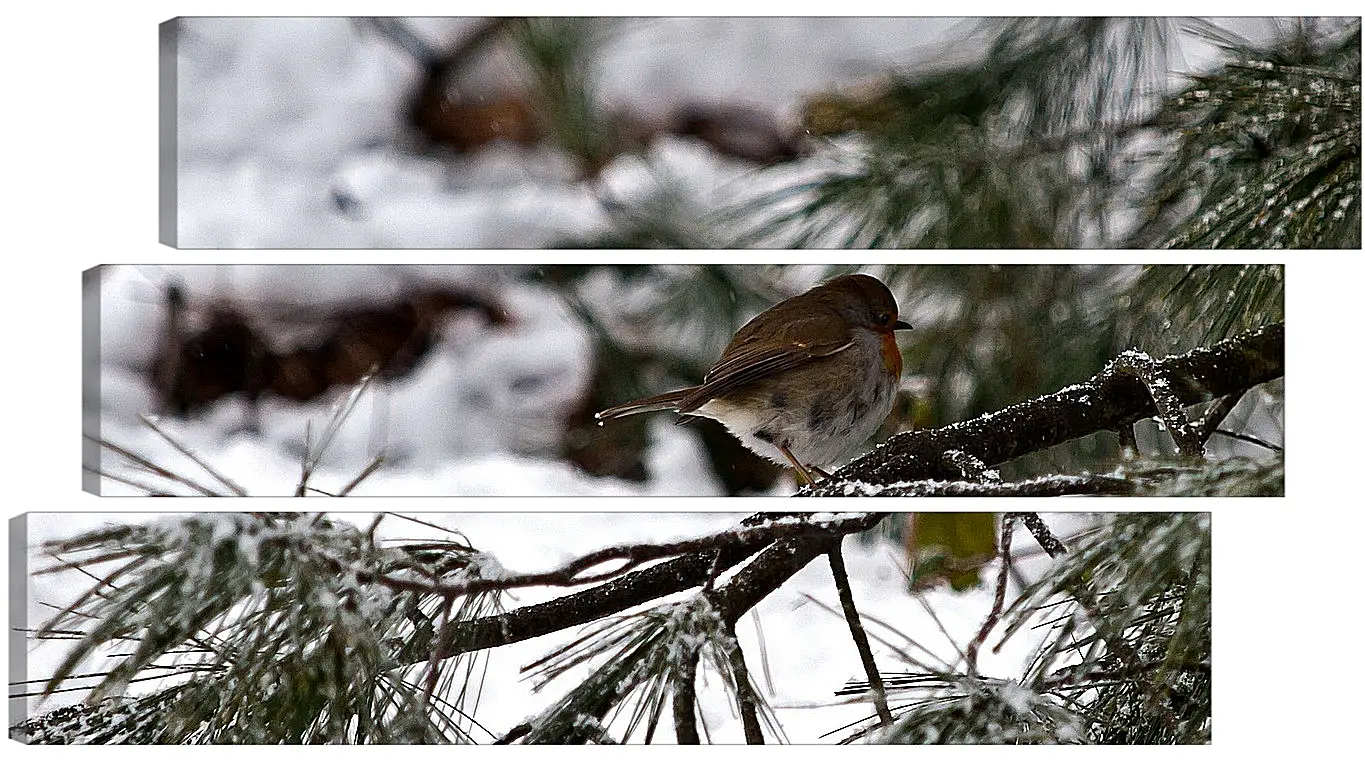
pixel 1111 400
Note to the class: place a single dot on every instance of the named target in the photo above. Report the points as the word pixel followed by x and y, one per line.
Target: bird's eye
pixel 884 318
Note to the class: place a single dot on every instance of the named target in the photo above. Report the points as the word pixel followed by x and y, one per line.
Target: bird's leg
pixel 800 468
pixel 822 473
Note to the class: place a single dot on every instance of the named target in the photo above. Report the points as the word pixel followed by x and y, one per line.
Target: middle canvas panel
pixel 684 380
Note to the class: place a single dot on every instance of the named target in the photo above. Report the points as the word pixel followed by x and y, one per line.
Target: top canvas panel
pixel 760 133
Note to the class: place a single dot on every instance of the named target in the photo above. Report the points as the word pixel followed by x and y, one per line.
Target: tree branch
pixel 993 618
pixel 855 628
pixel 775 565
pixel 1052 545
pixel 685 699
pixel 1168 406
pixel 631 556
pixel 1109 400
pixel 1052 485
pixel 768 571
pixel 745 695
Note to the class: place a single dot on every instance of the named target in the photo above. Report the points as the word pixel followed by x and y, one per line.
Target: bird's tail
pixel 668 401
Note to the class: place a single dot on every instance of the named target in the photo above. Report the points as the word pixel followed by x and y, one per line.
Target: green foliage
pixel 1061 133
pixel 989 712
pixel 1140 622
pixel 665 213
pixel 275 625
pixel 1010 151
pixel 988 336
pixel 645 657
pixel 558 53
pixel 1202 304
pixel 1126 656
pixel 1229 477
pixel 1268 146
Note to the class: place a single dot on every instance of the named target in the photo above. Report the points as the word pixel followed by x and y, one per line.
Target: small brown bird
pixel 806 381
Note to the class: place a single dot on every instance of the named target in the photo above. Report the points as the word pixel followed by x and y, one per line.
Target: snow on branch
pixel 1111 400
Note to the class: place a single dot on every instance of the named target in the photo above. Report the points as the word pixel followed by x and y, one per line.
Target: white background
pixel 81 173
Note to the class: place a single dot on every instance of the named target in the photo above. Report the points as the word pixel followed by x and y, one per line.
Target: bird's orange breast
pixel 891 355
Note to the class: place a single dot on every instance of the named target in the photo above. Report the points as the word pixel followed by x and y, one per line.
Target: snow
pixel 481 415
pixel 104 214
pixel 805 643
pixel 279 119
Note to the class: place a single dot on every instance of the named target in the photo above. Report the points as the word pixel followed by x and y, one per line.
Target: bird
pixel 805 381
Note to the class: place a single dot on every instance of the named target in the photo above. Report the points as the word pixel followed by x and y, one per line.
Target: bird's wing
pixel 748 363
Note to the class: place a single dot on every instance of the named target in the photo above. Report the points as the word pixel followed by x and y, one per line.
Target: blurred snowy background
pixel 485 411
pixel 800 652
pixel 490 374
pixel 303 132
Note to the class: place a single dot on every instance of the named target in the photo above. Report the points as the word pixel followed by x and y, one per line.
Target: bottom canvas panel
pixel 563 628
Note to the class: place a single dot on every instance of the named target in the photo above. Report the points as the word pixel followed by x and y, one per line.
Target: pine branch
pixel 1109 400
pixel 767 572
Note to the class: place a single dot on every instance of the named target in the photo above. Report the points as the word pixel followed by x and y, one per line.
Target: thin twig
pixel 153 467
pixel 855 628
pixel 191 455
pixel 1001 584
pixel 1052 545
pixel 360 478
pixel 434 663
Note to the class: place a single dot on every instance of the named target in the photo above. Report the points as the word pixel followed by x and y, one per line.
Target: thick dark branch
pixel 778 563
pixel 745 695
pixel 685 699
pixel 1168 406
pixel 972 468
pixel 1052 485
pixel 628 556
pixel 744 591
pixel 1107 401
pixel 581 607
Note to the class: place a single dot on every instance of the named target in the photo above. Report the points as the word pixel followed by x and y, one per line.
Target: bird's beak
pixel 901 325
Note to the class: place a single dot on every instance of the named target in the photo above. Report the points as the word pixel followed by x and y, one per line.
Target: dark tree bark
pixel 1110 400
